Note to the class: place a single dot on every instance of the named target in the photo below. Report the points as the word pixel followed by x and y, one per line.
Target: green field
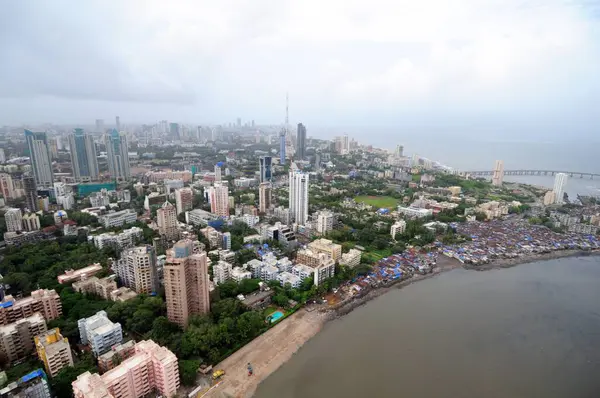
pixel 378 201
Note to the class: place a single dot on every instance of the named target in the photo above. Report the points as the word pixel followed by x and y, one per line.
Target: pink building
pixel 77 275
pixel 151 369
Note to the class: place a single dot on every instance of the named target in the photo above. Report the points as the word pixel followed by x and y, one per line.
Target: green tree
pixel 188 371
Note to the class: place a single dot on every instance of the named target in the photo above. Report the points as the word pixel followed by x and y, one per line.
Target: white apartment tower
pixel 560 183
pixel 83 156
pixel 41 162
pixel 298 197
pixel 117 151
pixel 498 173
pixel 14 220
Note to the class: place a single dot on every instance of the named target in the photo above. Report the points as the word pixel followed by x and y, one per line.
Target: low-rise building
pixel 99 332
pixel 351 259
pixel 222 272
pixel 122 240
pixel 287 277
pixel 54 351
pixel 122 294
pixel 414 212
pixel 118 218
pixel 258 300
pixel 398 228
pixel 303 271
pixel 82 273
pixel 102 287
pixel 238 274
pixel 269 273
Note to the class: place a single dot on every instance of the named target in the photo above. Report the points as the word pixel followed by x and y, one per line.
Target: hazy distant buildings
pixel 117 155
pixel 560 183
pixel 301 142
pixel 265 163
pixel 498 173
pixel 298 196
pixel 99 126
pixel 84 159
pixel 399 151
pixel 41 163
pixel 282 147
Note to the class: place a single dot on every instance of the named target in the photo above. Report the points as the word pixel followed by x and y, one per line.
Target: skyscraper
pixel 184 199
pixel 265 163
pixel 118 123
pixel 218 171
pixel 2 156
pixel 41 163
pixel 84 159
pixel 498 173
pixel 399 151
pixel 264 197
pixel 99 126
pixel 298 196
pixel 118 155
pixel 282 147
pixel 218 195
pixel 560 183
pixel 7 188
pixel 136 269
pixel 166 218
pixel 30 189
pixel 186 283
pixel 14 220
pixel 301 142
pixel 174 130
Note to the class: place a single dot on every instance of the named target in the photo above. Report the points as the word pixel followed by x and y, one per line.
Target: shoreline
pixel 267 355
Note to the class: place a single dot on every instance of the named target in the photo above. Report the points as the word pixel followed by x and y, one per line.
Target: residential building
pixel 560 183
pixel 244 182
pixel 269 273
pixel 2 156
pixel 265 192
pixel 351 259
pixel 493 209
pixel 498 173
pixel 7 188
pixel 117 354
pixel 23 238
pixel 32 385
pixel 16 339
pixel 184 199
pixel 218 172
pixel 258 300
pixel 323 221
pixel 41 162
pixel 219 199
pixel 66 202
pixel 238 274
pixel 119 241
pixel 118 218
pixel 46 302
pixel 150 369
pixel 54 351
pixel 215 238
pixel 222 272
pixel 84 158
pixel 199 217
pixel 303 271
pixel 226 241
pixel 549 198
pixel 99 332
pixel 326 246
pixel 186 283
pixel 137 269
pixel 298 197
pixel 14 220
pixel 166 218
pixel 72 275
pixel 255 266
pixel 265 164
pixel 101 287
pixel 324 271
pixel 117 152
pixel 283 214
pixel 414 212
pixel 122 294
pixel 287 277
pixel 31 222
pixel 398 228
pixel 30 188
pixel 300 142
pixel 310 258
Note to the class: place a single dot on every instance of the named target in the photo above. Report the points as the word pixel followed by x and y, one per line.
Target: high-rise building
pixel 83 156
pixel 2 156
pixel 239 122
pixel 560 183
pixel 137 270
pixel 7 188
pixel 16 339
pixel 301 142
pixel 174 130
pixel 324 222
pixel 166 218
pixel 218 196
pixel 398 228
pixel 54 351
pixel 282 147
pixel 298 196
pixel 118 123
pixel 327 247
pixel 186 283
pixel 31 222
pixel 399 151
pixel 31 196
pixel 14 220
pixel 184 199
pixel 117 152
pixel 99 332
pixel 151 370
pixel 498 173
pixel 218 172
pixel 266 173
pixel 46 302
pixel 99 125
pixel 264 196
pixel 41 163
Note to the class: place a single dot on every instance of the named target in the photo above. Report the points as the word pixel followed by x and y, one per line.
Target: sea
pixel 523 332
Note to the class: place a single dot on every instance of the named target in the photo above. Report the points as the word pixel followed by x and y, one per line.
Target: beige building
pixel 184 199
pixel 151 368
pixel 327 247
pixel 498 176
pixel 264 197
pixel 137 270
pixel 351 259
pixel 46 302
pixel 310 258
pixel 186 283
pixel 82 273
pixel 16 339
pixel 219 199
pixel 166 218
pixel 54 351
pixel 549 198
pixel 100 287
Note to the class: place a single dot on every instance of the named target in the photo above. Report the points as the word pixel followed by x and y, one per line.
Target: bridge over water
pixel 535 173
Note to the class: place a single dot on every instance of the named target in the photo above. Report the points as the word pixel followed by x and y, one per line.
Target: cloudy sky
pixel 344 62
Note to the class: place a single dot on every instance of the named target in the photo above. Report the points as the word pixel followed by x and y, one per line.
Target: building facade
pixel 117 151
pixel 298 197
pixel 84 158
pixel 166 218
pixel 265 192
pixel 99 332
pixel 300 142
pixel 41 162
pixel 219 200
pixel 54 351
pixel 498 176
pixel 560 183
pixel 137 269
pixel 16 339
pixel 184 199
pixel 14 220
pixel 46 302
pixel 265 168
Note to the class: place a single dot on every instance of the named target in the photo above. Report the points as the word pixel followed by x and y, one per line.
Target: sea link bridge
pixel 535 173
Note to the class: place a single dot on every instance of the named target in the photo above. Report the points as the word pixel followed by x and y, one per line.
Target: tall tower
pixel 498 173
pixel 166 218
pixel 41 163
pixel 298 196
pixel 137 270
pixel 560 183
pixel 264 196
pixel 118 123
pixel 265 163
pixel 83 156
pixel 301 142
pixel 118 155
pixel 219 199
pixel 30 193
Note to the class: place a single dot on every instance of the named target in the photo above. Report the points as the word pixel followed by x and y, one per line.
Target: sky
pixel 484 67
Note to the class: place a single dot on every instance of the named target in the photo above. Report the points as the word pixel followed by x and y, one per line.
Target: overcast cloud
pixel 342 61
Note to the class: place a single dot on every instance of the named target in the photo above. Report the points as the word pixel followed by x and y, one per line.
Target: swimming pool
pixel 274 317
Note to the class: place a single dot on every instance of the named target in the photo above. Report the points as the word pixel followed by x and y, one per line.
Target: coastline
pixel 274 348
